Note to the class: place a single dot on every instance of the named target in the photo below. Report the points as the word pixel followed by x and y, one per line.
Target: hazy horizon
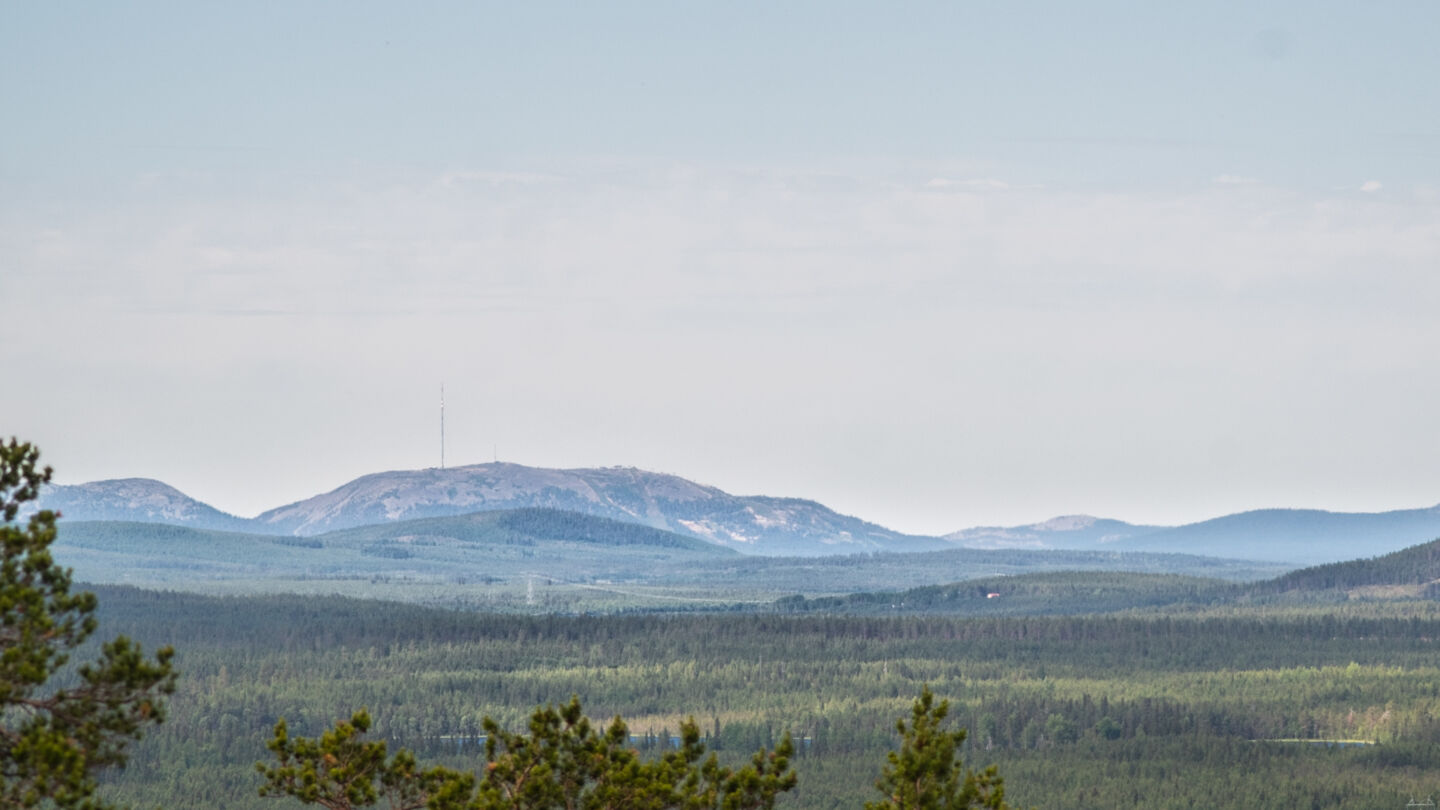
pixel 248 515
pixel 933 266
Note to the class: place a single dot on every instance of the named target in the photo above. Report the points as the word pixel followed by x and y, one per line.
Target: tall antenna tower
pixel 442 426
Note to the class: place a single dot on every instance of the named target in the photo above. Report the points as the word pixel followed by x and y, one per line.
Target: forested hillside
pixel 468 560
pixel 1403 575
pixel 1412 571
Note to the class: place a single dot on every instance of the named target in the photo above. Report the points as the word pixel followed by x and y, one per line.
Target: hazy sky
pixel 935 265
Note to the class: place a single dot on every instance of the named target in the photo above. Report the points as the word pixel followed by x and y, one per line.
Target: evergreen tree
pixel 339 771
pixel 53 739
pixel 563 762
pixel 927 774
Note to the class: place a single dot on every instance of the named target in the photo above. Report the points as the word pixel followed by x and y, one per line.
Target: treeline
pixel 1053 593
pixel 1085 592
pixel 287 623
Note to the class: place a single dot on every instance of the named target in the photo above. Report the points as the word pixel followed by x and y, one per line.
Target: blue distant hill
pixel 751 524
pixel 1307 536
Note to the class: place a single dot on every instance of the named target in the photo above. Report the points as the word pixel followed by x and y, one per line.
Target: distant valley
pixel 1408 574
pixel 551 560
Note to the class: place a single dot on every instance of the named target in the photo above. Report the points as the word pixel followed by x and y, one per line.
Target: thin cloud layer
pixel 720 239
pixel 991 351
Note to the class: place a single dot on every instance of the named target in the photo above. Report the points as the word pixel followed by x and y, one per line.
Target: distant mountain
pixel 752 524
pixel 757 525
pixel 143 500
pixel 1068 532
pixel 1305 536
pixel 1299 536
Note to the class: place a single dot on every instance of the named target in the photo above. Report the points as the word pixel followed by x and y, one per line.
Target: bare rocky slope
pixel 143 500
pixel 752 524
pixel 1070 532
pixel 755 524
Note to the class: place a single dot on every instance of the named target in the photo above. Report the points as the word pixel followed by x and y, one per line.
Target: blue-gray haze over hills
pixel 142 500
pixel 1301 536
pixel 751 524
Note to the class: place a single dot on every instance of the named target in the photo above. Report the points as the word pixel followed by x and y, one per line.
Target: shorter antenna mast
pixel 442 426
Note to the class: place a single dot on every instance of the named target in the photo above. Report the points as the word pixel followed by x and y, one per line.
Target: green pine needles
pixel 563 762
pixel 927 774
pixel 53 739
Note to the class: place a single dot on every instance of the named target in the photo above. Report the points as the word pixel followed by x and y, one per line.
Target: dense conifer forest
pixel 1243 707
